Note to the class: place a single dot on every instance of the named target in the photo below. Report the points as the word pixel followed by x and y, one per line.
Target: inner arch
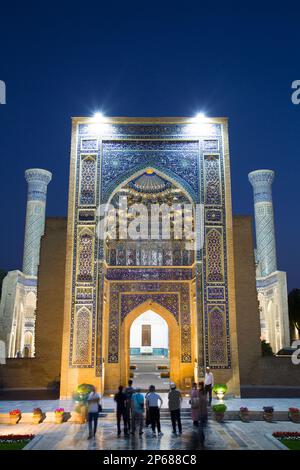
pixel 149 189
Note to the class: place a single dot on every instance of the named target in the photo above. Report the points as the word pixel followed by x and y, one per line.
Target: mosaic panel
pixel 216 293
pixel 85 215
pixel 131 301
pixel 214 255
pixel 85 259
pixel 82 348
pixel 88 180
pixel 89 144
pixel 213 216
pixel 212 180
pixel 119 164
pixel 211 144
pixel 152 130
pixel 149 274
pixel 84 294
pixel 217 335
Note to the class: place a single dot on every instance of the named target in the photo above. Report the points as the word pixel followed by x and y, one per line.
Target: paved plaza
pixel 233 404
pixel 230 435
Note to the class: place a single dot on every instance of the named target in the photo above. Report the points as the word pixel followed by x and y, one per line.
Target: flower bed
pixel 244 414
pixel 294 415
pixel 59 415
pixel 15 441
pixel 290 439
pixel 14 416
pixel 268 413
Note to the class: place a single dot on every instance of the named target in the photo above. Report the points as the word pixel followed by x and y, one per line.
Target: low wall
pixel 270 370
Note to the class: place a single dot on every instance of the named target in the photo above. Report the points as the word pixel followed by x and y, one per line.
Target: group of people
pixel 137 410
pixel 131 407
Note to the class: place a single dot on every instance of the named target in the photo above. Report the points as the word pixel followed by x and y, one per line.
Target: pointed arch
pixel 167 174
pixel 174 338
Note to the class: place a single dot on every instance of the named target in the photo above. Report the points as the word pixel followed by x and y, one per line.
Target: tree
pixel 294 308
pixel 266 348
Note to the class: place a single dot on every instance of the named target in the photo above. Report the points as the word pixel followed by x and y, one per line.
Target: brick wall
pixel 40 371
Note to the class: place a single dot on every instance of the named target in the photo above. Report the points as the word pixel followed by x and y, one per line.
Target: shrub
pixel 244 409
pixel 220 388
pixel 82 392
pixel 16 437
pixel 268 409
pixel 266 348
pixel 221 408
pixel 165 375
pixel 15 412
pixel 287 434
pixel 37 411
pixel 294 410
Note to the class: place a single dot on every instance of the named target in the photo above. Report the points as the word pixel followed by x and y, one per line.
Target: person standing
pixel 138 405
pixel 208 384
pixel 129 392
pixel 175 401
pixel 203 414
pixel 154 410
pixel 147 420
pixel 94 399
pixel 194 402
pixel 121 401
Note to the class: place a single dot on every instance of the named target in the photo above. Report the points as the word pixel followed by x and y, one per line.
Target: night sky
pixel 63 59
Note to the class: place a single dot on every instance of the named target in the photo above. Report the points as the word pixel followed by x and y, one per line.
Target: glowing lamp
pixel 220 390
pixel 98 117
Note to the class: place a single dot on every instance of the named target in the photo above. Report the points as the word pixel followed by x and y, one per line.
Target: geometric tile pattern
pixel 194 163
pixel 173 296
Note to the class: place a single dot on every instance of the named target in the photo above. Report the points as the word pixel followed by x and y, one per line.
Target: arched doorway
pixel 149 351
pixel 174 335
pixel 119 373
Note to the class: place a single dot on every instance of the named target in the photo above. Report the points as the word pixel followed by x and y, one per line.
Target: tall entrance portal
pixel 141 176
pixel 149 351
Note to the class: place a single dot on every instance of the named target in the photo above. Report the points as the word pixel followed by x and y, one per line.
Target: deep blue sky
pixel 63 59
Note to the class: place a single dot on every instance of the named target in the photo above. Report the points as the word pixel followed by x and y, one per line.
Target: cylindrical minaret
pixel 38 181
pixel 261 181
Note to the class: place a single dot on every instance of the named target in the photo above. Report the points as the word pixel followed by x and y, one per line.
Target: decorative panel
pixel 217 335
pixel 214 255
pixel 212 181
pixel 85 256
pixel 124 297
pixel 88 180
pixel 82 343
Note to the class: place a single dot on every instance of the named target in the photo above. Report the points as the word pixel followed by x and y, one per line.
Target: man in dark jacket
pixel 175 401
pixel 121 401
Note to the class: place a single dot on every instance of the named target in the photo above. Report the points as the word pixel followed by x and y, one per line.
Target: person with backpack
pixel 137 409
